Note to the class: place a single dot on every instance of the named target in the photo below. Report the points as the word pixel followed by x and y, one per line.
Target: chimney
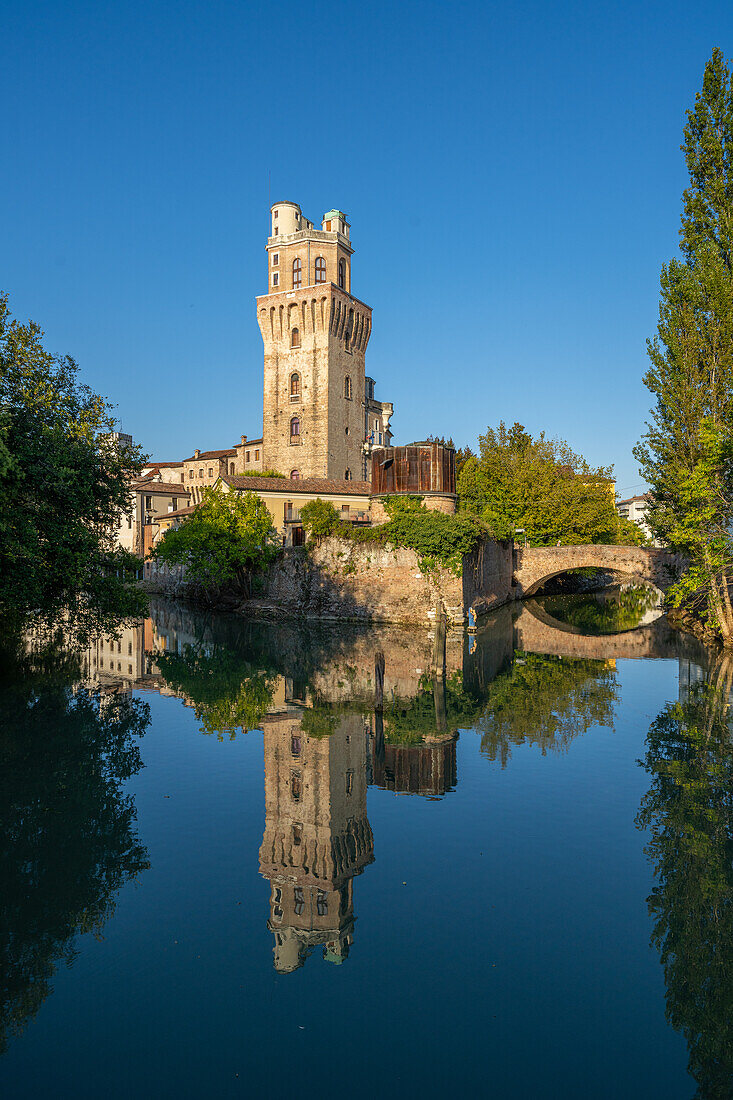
pixel 197 452
pixel 244 439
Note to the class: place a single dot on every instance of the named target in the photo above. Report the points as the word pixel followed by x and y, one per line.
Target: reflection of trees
pixel 67 839
pixel 689 810
pixel 227 693
pixel 545 701
pixel 430 711
pixel 599 613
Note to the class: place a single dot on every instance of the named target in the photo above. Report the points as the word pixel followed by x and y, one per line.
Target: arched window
pixel 294 387
pixel 347 475
pixel 320 269
pixel 295 475
pixel 347 387
pixel 295 338
pixel 295 430
pixel 297 274
pixel 342 274
pixel 231 469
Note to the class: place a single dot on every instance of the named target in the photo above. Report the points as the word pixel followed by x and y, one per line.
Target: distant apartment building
pixel 635 509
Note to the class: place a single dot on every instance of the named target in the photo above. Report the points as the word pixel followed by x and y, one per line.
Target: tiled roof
pixel 166 488
pixel 249 442
pixel 229 453
pixel 315 485
pixel 632 500
pixel 157 465
pixel 180 512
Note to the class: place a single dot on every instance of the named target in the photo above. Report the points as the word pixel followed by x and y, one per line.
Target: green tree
pixel 689 812
pixel 320 518
pixel 538 485
pixel 685 454
pixel 227 538
pixel 63 486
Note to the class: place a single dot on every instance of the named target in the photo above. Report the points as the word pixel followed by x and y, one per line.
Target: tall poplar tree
pixel 687 452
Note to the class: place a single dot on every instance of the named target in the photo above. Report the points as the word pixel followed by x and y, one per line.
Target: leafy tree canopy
pixel 63 487
pixel 538 485
pixel 227 538
pixel 685 454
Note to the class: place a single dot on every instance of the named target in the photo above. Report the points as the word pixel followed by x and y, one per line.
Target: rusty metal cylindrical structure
pixel 418 468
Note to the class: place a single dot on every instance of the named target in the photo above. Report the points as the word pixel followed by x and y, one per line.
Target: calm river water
pixel 227 870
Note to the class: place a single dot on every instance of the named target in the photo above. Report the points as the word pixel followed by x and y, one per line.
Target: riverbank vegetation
pixel 436 538
pixel 686 454
pixel 540 488
pixel 64 482
pixel 229 537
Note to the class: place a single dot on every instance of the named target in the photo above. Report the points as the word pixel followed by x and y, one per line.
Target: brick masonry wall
pixel 344 580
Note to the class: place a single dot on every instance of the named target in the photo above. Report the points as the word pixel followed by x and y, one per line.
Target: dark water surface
pixel 516 881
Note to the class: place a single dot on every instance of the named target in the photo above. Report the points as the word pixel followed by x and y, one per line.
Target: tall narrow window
pixel 342 274
pixel 297 274
pixel 320 269
pixel 295 338
pixel 294 385
pixel 347 387
pixel 347 475
pixel 295 786
pixel 295 430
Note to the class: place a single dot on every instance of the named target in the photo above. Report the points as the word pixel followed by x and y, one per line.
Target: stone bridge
pixel 532 567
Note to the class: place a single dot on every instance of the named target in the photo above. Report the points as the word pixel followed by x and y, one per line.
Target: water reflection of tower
pixel 317 836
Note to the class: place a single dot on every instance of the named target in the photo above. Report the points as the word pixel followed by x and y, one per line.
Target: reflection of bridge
pixel 532 567
pixel 535 631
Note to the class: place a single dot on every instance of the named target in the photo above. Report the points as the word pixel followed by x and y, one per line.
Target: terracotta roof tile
pixel 229 453
pixel 302 485
pixel 167 488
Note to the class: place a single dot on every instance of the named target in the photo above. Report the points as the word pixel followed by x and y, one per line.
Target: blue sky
pixel 511 171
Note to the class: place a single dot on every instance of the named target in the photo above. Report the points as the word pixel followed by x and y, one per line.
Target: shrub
pixel 319 518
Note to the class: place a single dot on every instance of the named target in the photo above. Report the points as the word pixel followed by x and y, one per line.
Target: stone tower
pixel 320 418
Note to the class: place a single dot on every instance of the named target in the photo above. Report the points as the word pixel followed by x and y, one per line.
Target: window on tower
pixel 275 278
pixel 347 387
pixel 295 338
pixel 320 269
pixel 297 274
pixel 295 430
pixel 275 259
pixel 342 274
pixel 295 385
pixel 347 475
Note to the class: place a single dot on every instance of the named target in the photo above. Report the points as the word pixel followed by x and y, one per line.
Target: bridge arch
pixel 533 567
